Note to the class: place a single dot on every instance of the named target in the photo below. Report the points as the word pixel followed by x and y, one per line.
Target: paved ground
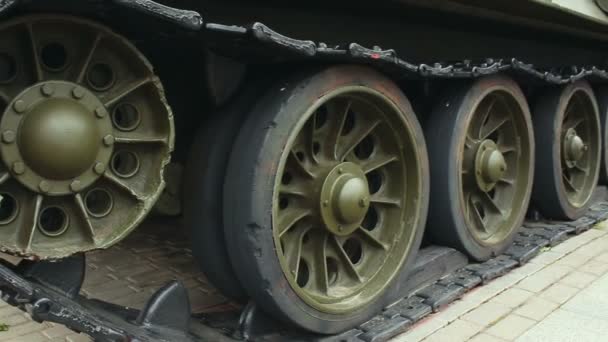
pixel 561 295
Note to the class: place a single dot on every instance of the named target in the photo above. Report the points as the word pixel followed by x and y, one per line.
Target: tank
pixel 322 143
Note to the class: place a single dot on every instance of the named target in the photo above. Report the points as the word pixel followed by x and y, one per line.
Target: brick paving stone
pixel 487 313
pixel 574 259
pixel 457 331
pixel 78 338
pixel 595 267
pixel 546 257
pixel 510 327
pixel 33 337
pixel 421 330
pixel 536 308
pixel 56 331
pixel 483 337
pixel 578 279
pixel 512 297
pixel 603 257
pixel 20 330
pixel 559 293
pixel 544 278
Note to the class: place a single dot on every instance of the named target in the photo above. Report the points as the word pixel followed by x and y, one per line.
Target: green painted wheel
pixel 602 101
pixel 85 135
pixel 326 197
pixel 481 149
pixel 567 126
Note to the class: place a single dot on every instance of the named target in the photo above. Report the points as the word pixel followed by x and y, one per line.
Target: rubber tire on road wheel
pixel 444 132
pixel 549 194
pixel 250 183
pixel 601 95
pixel 203 188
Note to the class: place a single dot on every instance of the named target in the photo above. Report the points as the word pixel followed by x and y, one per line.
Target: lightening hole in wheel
pixel 126 117
pixel 303 274
pixel 98 202
pixel 316 148
pixel 53 221
pixel 125 164
pixel 332 270
pixel 287 178
pixel 305 238
pixel 365 148
pixel 370 221
pixel 54 57
pixel 320 117
pixel 300 155
pixel 8 68
pixel 353 250
pixel 374 181
pixel 8 208
pixel 349 123
pixel 283 202
pixel 100 76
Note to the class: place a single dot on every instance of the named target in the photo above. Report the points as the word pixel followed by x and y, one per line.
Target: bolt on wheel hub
pixel 53 135
pixel 344 199
pixel 490 165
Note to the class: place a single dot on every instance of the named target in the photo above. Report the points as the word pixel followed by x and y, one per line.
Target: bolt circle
pixel 47 89
pixel 19 168
pixel 100 112
pixel 20 106
pixel 8 136
pixel 99 168
pixel 75 185
pixel 78 93
pixel 44 186
pixel 108 140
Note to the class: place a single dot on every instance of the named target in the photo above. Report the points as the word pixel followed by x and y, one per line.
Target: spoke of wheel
pixel 301 168
pixel 506 181
pixel 293 190
pixel 572 123
pixel 289 219
pixel 320 262
pixel 127 90
pixel 476 215
pixel 378 162
pixel 358 137
pixel 569 184
pixel 28 235
pixel 580 168
pixel 385 201
pixel 124 186
pixel 489 201
pixel 311 138
pixel 141 140
pixel 346 260
pixel 4 98
pixel 4 176
pixel 293 252
pixel 337 111
pixel 35 57
pixel 469 142
pixel 89 57
pixel 85 216
pixel 506 149
pixel 492 126
pixel 371 239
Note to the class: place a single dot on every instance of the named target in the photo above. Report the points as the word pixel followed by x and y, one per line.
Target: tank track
pixel 261 41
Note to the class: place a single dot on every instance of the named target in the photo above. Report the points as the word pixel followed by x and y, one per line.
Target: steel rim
pixel 494 168
pixel 346 199
pixel 579 143
pixel 64 189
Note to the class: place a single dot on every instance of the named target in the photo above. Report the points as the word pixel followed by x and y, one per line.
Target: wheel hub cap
pixel 344 199
pixel 56 137
pixel 574 146
pixel 490 165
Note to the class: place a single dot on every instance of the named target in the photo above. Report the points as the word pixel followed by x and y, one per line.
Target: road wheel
pixel 481 151
pixel 326 197
pixel 567 126
pixel 203 190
